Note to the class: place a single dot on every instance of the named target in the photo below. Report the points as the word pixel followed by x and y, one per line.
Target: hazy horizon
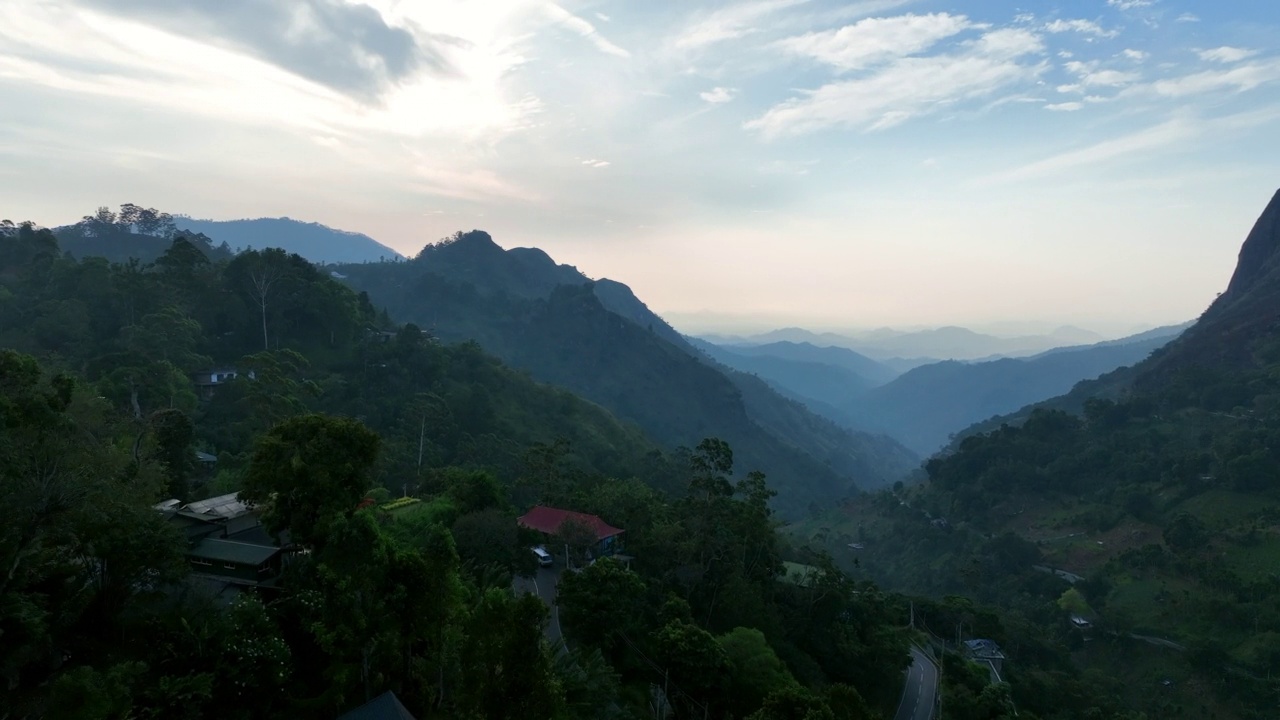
pixel 744 165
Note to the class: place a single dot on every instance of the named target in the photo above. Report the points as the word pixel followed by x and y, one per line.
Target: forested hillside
pixel 1159 502
pixel 313 241
pixel 333 411
pixel 552 321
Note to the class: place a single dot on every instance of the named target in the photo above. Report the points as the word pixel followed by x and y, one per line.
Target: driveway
pixel 544 584
pixel 920 690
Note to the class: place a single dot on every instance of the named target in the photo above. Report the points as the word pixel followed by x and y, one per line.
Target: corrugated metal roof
pixel 223 506
pixel 233 552
pixel 384 707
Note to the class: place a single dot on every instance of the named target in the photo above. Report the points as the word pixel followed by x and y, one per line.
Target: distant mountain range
pixel 924 406
pixel 600 341
pixel 904 349
pixel 313 241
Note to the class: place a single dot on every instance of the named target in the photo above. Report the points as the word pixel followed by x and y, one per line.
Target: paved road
pixel 920 689
pixel 544 586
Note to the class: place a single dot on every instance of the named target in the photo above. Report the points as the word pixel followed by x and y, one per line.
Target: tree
pixel 506 671
pixel 754 669
pixel 793 703
pixel 602 605
pixel 309 470
pixel 697 665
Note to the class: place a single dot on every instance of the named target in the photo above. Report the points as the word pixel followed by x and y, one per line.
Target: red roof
pixel 548 520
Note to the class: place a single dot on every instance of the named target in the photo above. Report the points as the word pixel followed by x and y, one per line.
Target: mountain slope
pixel 1154 488
pixel 807 381
pixel 871 371
pixel 313 241
pixel 924 406
pixel 553 322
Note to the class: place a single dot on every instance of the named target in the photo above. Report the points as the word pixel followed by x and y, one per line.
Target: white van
pixel 544 557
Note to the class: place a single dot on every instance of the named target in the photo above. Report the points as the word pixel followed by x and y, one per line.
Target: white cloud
pixel 1187 18
pixel 873 40
pixel 717 95
pixel 909 87
pixel 1091 76
pixel 602 17
pixel 1226 54
pixel 1135 55
pixel 1130 4
pixel 730 22
pixel 1240 79
pixel 1087 27
pixel 592 162
pixel 585 29
pixel 1065 107
pixel 1072 88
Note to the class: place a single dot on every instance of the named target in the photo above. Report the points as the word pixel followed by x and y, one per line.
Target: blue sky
pixel 740 164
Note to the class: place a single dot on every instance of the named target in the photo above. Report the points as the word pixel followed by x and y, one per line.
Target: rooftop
pixel 233 552
pixel 983 648
pixel 384 707
pixel 227 506
pixel 548 520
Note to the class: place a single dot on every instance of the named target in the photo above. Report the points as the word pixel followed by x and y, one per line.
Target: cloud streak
pixel 909 87
pixel 874 40
pixel 585 29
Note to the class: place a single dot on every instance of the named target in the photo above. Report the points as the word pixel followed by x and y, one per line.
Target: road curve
pixel 920 690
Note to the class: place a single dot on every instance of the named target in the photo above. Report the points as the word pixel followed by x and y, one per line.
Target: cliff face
pixel 1243 318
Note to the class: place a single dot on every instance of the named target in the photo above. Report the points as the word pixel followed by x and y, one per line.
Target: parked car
pixel 544 557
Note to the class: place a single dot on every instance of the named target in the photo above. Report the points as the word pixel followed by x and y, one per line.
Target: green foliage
pixel 308 471
pixel 755 670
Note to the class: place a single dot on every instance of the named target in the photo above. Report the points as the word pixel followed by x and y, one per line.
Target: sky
pixel 741 165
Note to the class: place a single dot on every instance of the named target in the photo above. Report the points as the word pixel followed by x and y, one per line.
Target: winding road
pixel 921 689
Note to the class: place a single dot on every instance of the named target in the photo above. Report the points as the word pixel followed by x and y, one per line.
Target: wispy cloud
pixel 1135 55
pixel 1239 79
pixel 1147 140
pixel 1092 76
pixel 717 95
pixel 874 40
pixel 1226 54
pixel 585 29
pixel 1187 18
pixel 1086 27
pixel 1130 4
pixel 909 87
pixel 1065 107
pixel 731 22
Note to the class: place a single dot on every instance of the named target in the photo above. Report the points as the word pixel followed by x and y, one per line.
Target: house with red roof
pixel 549 521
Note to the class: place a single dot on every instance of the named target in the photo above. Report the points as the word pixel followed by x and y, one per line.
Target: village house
pixel 986 652
pixel 227 547
pixel 550 521
pixel 208 381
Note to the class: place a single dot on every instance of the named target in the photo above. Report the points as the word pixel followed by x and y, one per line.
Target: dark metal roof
pixel 232 551
pixel 384 707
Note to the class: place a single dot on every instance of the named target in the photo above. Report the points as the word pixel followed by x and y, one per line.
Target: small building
pixel 207 381
pixel 245 563
pixel 549 521
pixel 1080 622
pixel 986 652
